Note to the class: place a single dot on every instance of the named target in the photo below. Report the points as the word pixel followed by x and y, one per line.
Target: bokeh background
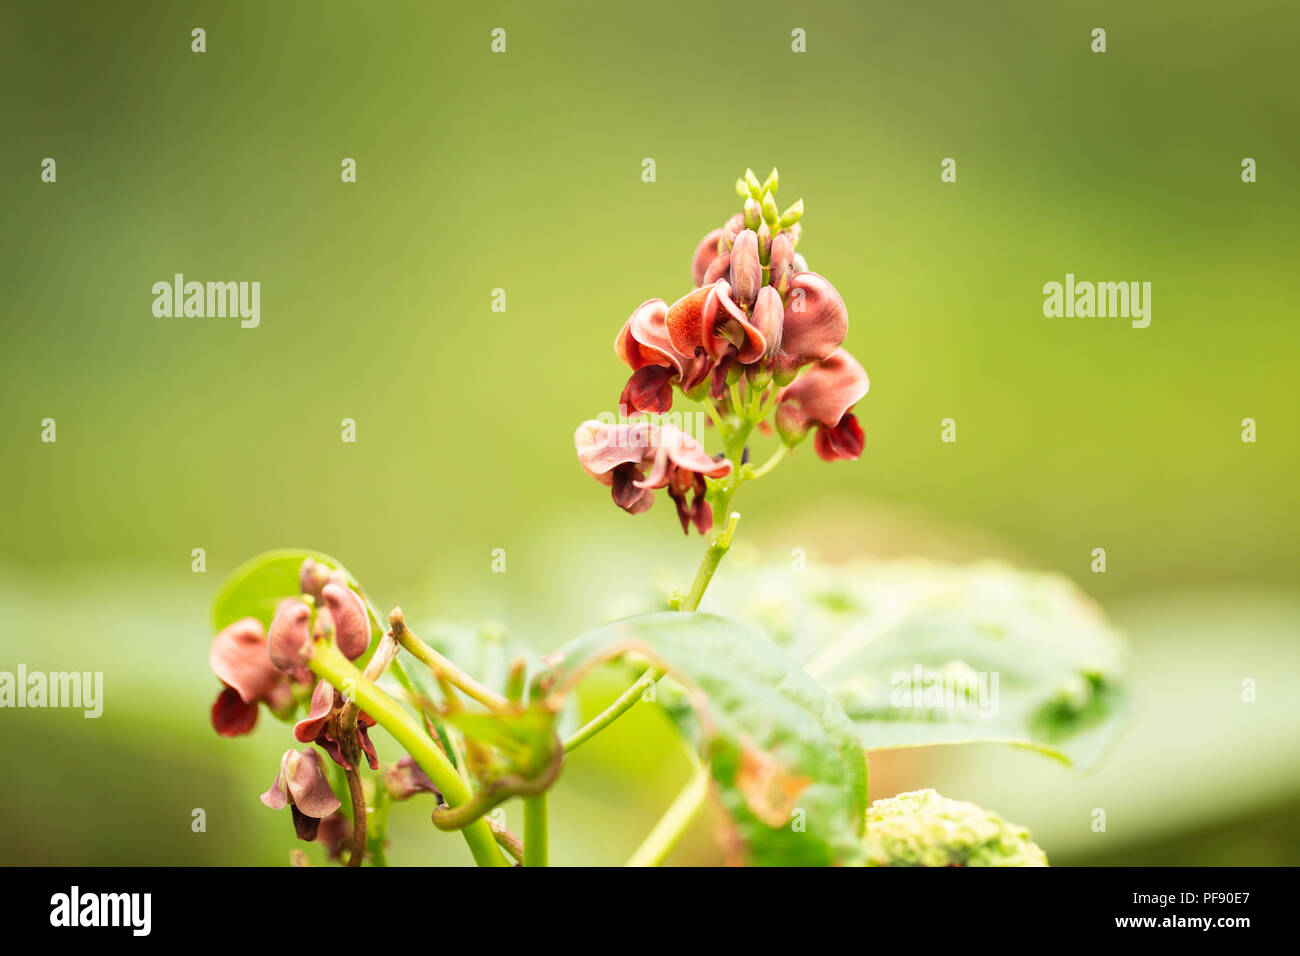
pixel 522 172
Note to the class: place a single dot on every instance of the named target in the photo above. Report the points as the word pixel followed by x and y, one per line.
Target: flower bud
pixel 764 244
pixel 405 779
pixel 782 260
pixel 791 215
pixel 732 229
pixel 289 639
pixel 742 188
pixel 753 213
pixel 746 270
pixel 351 622
pixel 755 187
pixel 772 181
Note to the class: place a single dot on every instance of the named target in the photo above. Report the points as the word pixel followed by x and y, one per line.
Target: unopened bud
pixel 772 181
pixel 770 214
pixel 755 187
pixel 792 214
pixel 753 213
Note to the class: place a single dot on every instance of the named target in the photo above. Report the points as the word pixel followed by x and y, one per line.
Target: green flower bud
pixel 755 187
pixel 753 213
pixel 770 214
pixel 772 181
pixel 922 828
pixel 791 215
pixel 742 188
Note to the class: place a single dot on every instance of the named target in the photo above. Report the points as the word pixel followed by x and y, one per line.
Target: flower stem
pixel 445 669
pixel 535 835
pixel 327 662
pixel 660 841
pixel 358 852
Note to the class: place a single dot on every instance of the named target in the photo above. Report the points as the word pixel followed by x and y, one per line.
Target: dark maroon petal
pixel 627 493
pixel 843 442
pixel 367 748
pixel 305 826
pixel 289 639
pixel 351 622
pixel 335 834
pixel 650 389
pixel 232 715
pixel 405 779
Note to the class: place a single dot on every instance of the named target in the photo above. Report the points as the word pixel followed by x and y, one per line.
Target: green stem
pixel 327 662
pixel 771 463
pixel 660 841
pixel 535 835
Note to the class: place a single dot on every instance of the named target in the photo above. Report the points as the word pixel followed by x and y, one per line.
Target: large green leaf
pixel 787 767
pixel 866 632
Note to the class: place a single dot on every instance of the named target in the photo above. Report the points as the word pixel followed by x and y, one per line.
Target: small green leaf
pixel 1030 659
pixel 787 767
pixel 256 588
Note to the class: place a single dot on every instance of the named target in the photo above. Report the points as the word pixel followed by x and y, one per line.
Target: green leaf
pixel 867 632
pixel 787 767
pixel 256 588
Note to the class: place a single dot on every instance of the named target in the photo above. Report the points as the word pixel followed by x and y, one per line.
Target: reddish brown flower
pixel 302 786
pixel 823 397
pixel 290 636
pixel 405 779
pixel 619 455
pixel 644 344
pixel 239 658
pixel 320 727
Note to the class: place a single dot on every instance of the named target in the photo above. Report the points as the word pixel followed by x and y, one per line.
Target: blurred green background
pixel 522 172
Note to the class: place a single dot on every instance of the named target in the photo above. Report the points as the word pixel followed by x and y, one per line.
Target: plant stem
pixel 327 662
pixel 535 836
pixel 614 711
pixel 660 841
pixel 445 669
pixel 358 852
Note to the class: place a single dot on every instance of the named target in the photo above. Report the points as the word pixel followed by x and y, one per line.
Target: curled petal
pixel 232 715
pixel 239 657
pixel 603 446
pixel 289 639
pixel 727 328
pixel 627 493
pixel 842 442
pixel 705 253
pixel 644 339
pixel 746 270
pixel 351 622
pixel 685 321
pixel 322 705
pixel 822 395
pixel 815 324
pixel 678 451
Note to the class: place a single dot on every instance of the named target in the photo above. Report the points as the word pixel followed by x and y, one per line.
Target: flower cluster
pixel 759 333
pixel 258 665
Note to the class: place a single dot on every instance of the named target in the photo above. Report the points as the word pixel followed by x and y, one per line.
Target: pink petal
pixel 603 446
pixel 746 270
pixel 821 395
pixel 685 321
pixel 782 261
pixel 351 622
pixel 676 450
pixel 322 704
pixel 239 657
pixel 816 322
pixel 728 327
pixel 308 787
pixel 705 253
pixel 644 338
pixel 289 639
